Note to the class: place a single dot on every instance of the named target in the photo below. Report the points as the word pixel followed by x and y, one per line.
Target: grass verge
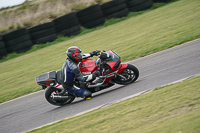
pixel 171 109
pixel 137 36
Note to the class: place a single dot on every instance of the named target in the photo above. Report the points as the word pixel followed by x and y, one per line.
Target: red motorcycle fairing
pixel 122 67
pixel 87 66
pixel 111 64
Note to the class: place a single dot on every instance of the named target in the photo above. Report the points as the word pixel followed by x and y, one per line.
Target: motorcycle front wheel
pixel 131 74
pixel 52 92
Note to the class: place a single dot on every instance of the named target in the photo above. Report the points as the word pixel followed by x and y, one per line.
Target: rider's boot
pixel 87 95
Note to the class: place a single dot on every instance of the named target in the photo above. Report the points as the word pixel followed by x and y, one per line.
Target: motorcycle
pixel 112 72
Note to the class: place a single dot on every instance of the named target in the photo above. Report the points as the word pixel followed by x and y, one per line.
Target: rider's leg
pixel 84 93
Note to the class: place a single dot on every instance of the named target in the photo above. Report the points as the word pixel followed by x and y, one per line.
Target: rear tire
pixel 130 72
pixel 50 91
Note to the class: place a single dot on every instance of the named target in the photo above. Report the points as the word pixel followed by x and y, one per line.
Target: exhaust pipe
pixel 56 97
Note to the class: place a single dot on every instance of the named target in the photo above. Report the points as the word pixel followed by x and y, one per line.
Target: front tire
pixel 50 91
pixel 131 73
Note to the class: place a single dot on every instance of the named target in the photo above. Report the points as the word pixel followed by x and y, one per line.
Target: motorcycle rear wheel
pixel 131 73
pixel 50 91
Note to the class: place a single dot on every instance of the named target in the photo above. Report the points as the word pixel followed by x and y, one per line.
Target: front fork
pixel 121 68
pixel 121 76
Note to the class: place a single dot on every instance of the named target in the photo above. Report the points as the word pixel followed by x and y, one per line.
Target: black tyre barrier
pixel 2 44
pixel 24 50
pixel 111 3
pixel 21 47
pixel 120 14
pixel 65 18
pixel 16 40
pixel 3 51
pixel 45 39
pixel 71 31
pixel 41 27
pixel 165 1
pixel 75 33
pixel 135 2
pixel 115 9
pixel 139 5
pixel 88 10
pixel 64 25
pixel 14 34
pixel 94 23
pixel 89 17
pixel 43 33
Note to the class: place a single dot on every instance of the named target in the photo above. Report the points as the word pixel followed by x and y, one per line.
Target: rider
pixel 70 70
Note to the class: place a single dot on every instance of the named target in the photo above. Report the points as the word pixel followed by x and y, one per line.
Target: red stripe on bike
pixel 57 85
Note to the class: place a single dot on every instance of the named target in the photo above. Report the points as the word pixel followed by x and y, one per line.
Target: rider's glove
pixel 94 53
pixel 92 76
pixel 96 74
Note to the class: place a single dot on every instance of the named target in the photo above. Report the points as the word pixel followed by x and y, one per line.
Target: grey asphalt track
pixel 158 69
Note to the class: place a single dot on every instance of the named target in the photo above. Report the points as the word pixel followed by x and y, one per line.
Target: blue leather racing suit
pixel 70 71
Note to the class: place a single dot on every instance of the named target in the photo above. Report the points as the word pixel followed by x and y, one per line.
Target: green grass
pixel 171 109
pixel 137 36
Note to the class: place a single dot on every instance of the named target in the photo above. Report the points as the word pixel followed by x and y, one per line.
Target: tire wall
pixel 3 51
pixel 17 41
pixel 165 1
pixel 22 39
pixel 139 5
pixel 43 33
pixel 67 25
pixel 91 17
pixel 115 9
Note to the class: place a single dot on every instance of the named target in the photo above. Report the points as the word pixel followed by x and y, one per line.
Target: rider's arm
pixel 86 78
pixel 74 68
pixel 91 54
pixel 79 76
pixel 85 56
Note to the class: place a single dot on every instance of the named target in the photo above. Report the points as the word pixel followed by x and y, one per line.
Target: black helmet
pixel 74 53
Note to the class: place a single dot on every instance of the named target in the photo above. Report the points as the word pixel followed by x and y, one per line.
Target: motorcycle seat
pixel 58 77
